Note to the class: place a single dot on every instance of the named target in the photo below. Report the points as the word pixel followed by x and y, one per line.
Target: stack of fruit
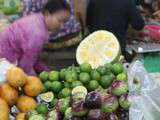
pixel 77 93
pixel 18 94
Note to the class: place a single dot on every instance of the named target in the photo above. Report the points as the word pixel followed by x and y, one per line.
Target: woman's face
pixel 56 21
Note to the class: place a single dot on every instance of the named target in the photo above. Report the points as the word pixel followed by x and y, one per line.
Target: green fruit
pixel 44 76
pixel 62 74
pixel 67 85
pixel 71 76
pixel 117 68
pixel 79 90
pixel 102 70
pixel 47 97
pixel 56 86
pixel 108 66
pixel 76 83
pixel 54 76
pixel 85 67
pixel 109 104
pixel 48 85
pixel 68 113
pixel 53 102
pixel 36 117
pixel 122 76
pixel 119 88
pixel 62 105
pixel 95 75
pixel 106 81
pixel 93 85
pixel 124 101
pixel 66 92
pixel 84 78
pixel 44 90
pixel 42 109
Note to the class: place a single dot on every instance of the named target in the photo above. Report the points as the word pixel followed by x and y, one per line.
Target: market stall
pixel 98 84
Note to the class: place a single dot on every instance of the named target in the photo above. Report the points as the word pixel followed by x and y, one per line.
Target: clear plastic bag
pixel 144 94
pixel 4 66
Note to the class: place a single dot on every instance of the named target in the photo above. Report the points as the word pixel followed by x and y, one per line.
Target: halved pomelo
pixel 99 48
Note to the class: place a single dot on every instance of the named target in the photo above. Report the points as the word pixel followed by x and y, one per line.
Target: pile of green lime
pixel 60 83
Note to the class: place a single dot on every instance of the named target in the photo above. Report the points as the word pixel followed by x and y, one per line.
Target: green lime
pixel 56 86
pixel 95 75
pixel 122 76
pixel 66 92
pixel 76 83
pixel 93 85
pixel 54 76
pixel 102 70
pixel 44 76
pixel 108 66
pixel 117 68
pixel 67 85
pixel 71 76
pixel 84 78
pixel 106 81
pixel 54 102
pixel 62 74
pixel 111 75
pixel 48 85
pixel 42 109
pixel 85 67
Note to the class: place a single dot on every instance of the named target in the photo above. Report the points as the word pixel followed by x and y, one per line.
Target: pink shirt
pixel 23 41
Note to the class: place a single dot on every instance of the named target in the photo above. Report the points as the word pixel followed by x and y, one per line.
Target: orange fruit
pixel 4 110
pixel 26 104
pixel 9 94
pixel 33 86
pixel 21 116
pixel 16 77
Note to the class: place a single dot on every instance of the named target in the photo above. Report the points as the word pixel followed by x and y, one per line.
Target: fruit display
pixel 82 92
pixel 17 94
pixel 96 89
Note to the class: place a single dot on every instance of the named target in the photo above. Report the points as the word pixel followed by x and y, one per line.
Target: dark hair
pixel 56 5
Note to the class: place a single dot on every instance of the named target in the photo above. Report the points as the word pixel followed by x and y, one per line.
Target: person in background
pixel 22 42
pixel 114 16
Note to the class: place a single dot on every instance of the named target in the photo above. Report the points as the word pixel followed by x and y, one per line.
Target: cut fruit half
pixel 99 48
pixel 47 97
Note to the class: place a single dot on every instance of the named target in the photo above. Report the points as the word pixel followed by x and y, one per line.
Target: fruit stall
pixel 95 89
pixel 99 85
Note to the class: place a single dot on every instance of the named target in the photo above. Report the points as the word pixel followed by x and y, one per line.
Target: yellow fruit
pixel 9 94
pixel 26 104
pixel 16 77
pixel 21 116
pixel 97 49
pixel 4 110
pixel 33 87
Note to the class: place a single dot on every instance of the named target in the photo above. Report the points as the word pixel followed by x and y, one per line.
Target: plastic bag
pixel 144 94
pixel 4 66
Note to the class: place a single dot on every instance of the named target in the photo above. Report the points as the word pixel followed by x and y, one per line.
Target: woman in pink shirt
pixel 22 42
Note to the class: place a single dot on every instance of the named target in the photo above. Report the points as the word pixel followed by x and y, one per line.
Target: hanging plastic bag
pixel 144 94
pixel 4 66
